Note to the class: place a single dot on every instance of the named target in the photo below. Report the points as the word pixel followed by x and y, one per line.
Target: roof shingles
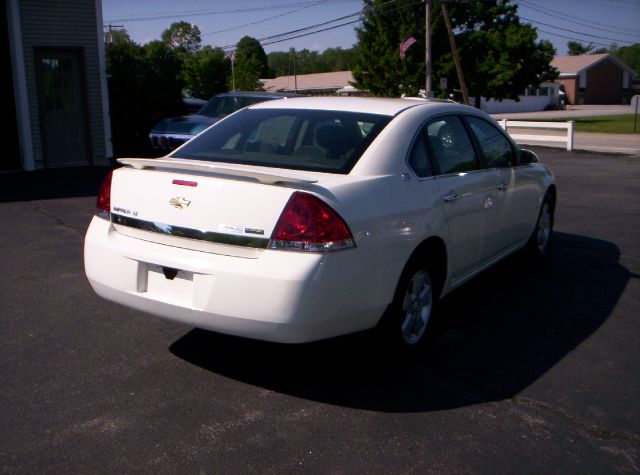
pixel 318 81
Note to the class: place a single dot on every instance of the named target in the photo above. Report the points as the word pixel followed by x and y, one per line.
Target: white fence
pixel 568 126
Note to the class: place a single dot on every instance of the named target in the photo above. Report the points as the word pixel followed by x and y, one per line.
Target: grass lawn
pixel 606 124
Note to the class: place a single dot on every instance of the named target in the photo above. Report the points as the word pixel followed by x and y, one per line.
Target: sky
pixel 223 23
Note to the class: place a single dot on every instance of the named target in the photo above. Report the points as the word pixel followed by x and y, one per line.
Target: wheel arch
pixel 432 251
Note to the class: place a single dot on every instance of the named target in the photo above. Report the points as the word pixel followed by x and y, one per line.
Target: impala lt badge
pixel 179 202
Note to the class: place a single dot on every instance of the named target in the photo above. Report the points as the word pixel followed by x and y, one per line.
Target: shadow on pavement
pixel 51 183
pixel 497 334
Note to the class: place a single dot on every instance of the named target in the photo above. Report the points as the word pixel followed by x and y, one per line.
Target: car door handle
pixel 451 197
pixel 502 186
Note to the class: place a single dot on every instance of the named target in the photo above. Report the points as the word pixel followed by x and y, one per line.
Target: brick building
pixel 595 79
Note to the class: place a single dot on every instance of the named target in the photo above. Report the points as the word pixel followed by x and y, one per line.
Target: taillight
pixel 103 203
pixel 309 224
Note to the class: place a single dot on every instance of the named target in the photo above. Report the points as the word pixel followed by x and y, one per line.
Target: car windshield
pixel 314 140
pixel 220 106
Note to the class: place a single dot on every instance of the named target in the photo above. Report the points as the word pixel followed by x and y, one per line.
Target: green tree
pixel 629 55
pixel 251 64
pixel 246 73
pixel 575 48
pixel 308 62
pixel 206 72
pixel 120 35
pixel 499 55
pixel 332 59
pixel 280 63
pixel 338 59
pixel 143 87
pixel 182 36
pixel 163 81
pixel 380 69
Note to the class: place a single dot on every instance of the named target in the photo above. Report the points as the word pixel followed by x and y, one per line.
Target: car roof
pixel 369 105
pixel 258 94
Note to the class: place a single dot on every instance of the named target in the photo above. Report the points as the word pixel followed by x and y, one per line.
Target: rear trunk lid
pixel 210 207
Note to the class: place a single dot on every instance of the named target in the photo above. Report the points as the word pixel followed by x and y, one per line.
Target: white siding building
pixel 56 98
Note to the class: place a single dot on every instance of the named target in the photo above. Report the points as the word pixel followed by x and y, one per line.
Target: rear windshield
pixel 219 106
pixel 323 141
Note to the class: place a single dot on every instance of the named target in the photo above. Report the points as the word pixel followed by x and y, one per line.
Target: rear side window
pixel 451 145
pixel 325 141
pixel 496 148
pixel 419 159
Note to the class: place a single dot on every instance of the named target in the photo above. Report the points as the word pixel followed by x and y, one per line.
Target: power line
pixel 291 32
pixel 210 12
pixel 261 21
pixel 383 8
pixel 622 2
pixel 572 38
pixel 576 32
pixel 311 33
pixel 267 40
pixel 581 21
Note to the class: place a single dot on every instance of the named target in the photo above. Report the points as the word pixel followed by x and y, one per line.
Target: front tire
pixel 540 239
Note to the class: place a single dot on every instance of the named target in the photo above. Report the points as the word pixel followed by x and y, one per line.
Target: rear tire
pixel 408 319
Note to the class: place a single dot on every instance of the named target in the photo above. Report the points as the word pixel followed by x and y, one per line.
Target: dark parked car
pixel 173 132
pixel 193 104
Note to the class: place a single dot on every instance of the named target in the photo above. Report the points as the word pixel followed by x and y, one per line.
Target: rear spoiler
pixel 265 177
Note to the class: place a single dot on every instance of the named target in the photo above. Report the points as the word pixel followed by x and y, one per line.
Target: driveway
pixel 533 368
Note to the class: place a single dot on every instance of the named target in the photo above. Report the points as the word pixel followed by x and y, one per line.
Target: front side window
pixel 496 148
pixel 451 146
pixel 325 141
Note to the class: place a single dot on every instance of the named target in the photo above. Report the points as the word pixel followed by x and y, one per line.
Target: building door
pixel 62 108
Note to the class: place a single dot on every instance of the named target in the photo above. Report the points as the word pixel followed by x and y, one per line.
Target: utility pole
pixel 454 52
pixel 110 27
pixel 427 50
pixel 232 57
pixel 295 76
pixel 233 74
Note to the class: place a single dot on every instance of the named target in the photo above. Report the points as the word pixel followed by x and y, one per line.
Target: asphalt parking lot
pixel 535 368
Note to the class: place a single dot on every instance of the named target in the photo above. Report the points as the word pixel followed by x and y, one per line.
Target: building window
pixel 57 84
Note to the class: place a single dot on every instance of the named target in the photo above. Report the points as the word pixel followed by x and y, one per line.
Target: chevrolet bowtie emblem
pixel 179 202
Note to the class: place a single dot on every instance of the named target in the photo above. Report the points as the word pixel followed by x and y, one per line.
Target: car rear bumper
pixel 287 297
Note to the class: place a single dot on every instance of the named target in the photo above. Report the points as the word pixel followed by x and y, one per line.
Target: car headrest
pixel 335 138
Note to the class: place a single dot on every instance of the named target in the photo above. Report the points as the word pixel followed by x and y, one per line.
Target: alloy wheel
pixel 417 307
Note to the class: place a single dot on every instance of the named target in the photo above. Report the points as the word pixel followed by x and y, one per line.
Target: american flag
pixel 231 55
pixel 405 45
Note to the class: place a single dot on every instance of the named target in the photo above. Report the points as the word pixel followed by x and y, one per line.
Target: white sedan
pixel 302 219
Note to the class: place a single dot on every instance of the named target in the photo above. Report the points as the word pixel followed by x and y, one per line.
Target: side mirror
pixel 527 157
